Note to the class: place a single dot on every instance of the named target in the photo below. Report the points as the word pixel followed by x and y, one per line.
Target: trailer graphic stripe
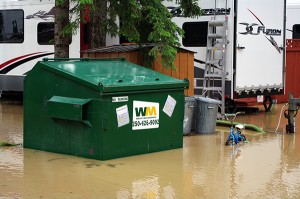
pixel 13 63
pixel 15 59
pixel 256 17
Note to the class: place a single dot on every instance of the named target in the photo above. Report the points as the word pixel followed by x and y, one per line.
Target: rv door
pixel 259 46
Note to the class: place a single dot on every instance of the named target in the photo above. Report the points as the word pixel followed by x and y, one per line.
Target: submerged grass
pixel 4 143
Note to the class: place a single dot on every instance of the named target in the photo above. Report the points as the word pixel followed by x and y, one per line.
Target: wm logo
pixel 145 111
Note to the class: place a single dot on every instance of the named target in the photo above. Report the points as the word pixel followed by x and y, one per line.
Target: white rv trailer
pixel 26 27
pixel 26 31
pixel 254 49
pixel 293 20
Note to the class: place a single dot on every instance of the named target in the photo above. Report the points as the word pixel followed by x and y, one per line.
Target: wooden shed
pixel 184 61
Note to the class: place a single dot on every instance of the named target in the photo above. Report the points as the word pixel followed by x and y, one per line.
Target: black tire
pixel 267 103
pixel 242 138
pixel 228 141
pixel 230 106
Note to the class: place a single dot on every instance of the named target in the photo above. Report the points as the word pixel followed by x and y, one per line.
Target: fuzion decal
pixel 145 115
pixel 256 29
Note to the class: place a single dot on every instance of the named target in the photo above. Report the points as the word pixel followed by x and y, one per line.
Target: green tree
pixel 62 36
pixel 142 21
pixel 98 19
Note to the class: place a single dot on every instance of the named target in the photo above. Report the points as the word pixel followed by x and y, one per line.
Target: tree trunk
pixel 61 40
pixel 98 24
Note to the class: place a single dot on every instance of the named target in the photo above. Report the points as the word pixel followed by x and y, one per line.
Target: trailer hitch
pixel 291 113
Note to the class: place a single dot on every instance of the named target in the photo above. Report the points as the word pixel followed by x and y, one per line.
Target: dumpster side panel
pixel 125 141
pixel 43 132
pixel 67 111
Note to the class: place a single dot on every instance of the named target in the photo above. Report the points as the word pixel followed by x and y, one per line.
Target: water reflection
pixel 72 177
pixel 147 187
pixel 266 167
pixel 11 122
pixel 11 159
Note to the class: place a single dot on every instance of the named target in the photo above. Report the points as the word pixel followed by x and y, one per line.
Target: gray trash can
pixel 206 115
pixel 189 115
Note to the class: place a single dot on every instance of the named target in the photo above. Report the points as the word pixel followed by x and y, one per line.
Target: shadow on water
pixel 266 167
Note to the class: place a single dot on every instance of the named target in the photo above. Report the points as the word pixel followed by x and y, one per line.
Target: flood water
pixel 266 167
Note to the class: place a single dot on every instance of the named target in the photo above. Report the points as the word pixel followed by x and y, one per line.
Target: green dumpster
pixel 101 108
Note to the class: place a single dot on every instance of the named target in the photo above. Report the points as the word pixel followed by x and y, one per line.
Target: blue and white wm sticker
pixel 145 115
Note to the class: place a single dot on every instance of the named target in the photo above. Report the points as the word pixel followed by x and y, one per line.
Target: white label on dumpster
pixel 145 115
pixel 120 99
pixel 122 115
pixel 169 106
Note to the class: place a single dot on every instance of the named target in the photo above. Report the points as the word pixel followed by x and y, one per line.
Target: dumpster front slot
pixel 68 108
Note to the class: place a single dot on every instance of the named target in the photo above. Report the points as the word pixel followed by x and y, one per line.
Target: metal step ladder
pixel 215 65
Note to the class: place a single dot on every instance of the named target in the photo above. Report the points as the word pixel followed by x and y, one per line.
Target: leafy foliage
pixel 190 8
pixel 142 21
pixel 149 21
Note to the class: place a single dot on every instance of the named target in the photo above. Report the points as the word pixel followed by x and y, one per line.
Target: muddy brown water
pixel 266 167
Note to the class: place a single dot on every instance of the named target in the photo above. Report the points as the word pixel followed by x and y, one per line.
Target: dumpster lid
pixel 112 75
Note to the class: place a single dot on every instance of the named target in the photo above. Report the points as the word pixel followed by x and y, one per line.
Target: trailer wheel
pixel 267 103
pixel 230 106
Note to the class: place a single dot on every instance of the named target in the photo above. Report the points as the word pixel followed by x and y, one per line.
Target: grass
pixel 4 143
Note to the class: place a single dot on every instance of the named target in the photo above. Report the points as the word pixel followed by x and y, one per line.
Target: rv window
pixel 195 34
pixel 11 26
pixel 296 31
pixel 45 31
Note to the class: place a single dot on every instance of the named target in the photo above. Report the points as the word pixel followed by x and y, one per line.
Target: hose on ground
pixel 280 117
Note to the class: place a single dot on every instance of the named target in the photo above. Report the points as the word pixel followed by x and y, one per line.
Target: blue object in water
pixel 235 137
